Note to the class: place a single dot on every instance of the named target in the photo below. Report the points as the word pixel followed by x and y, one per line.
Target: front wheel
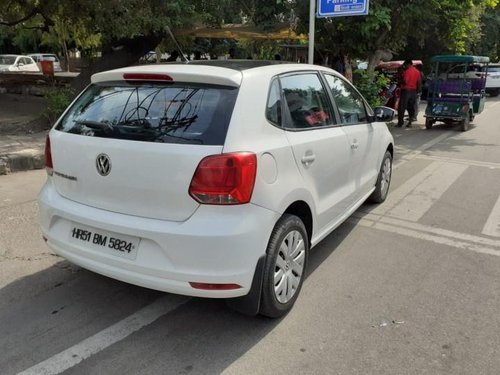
pixel 383 180
pixel 285 266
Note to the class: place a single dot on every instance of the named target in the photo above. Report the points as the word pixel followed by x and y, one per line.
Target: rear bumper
pixel 217 244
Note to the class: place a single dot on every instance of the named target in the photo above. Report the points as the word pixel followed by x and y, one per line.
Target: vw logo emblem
pixel 103 164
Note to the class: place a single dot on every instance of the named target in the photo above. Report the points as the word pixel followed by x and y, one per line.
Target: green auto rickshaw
pixel 456 91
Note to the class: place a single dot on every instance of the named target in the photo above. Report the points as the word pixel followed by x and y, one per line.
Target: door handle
pixel 354 145
pixel 308 159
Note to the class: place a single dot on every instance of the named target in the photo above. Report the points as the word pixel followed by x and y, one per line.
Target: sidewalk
pixel 22 152
pixel 22 142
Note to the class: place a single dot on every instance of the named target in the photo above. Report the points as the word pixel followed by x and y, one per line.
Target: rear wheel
pixel 285 266
pixel 428 123
pixel 383 180
pixel 464 124
pixel 471 116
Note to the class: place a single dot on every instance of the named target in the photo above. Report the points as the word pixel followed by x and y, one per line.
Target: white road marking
pixel 473 163
pixel 492 226
pixel 109 336
pixel 396 196
pixel 483 241
pixel 439 236
pixel 412 155
pixel 428 192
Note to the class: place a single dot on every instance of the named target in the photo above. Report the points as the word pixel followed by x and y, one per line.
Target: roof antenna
pixel 186 60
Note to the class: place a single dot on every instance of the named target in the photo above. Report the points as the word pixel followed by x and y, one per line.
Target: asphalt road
pixel 411 286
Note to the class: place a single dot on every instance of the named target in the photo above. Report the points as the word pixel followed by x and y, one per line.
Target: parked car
pixel 214 178
pixel 493 79
pixel 38 57
pixel 17 63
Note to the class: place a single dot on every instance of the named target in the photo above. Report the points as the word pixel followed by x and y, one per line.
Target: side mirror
pixel 384 114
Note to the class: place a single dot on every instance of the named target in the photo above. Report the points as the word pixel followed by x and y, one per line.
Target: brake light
pixel 49 167
pixel 146 77
pixel 224 179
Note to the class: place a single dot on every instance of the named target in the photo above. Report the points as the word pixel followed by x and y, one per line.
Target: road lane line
pixel 492 226
pixel 429 237
pixel 415 204
pixel 397 195
pixel 107 337
pixel 483 241
pixel 413 154
pixel 473 163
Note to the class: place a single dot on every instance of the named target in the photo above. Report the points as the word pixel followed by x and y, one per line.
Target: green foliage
pixel 58 99
pixel 370 84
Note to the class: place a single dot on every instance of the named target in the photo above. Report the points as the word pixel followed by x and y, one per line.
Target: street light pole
pixel 312 19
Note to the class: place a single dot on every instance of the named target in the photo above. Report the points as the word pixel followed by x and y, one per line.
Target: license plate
pixel 104 241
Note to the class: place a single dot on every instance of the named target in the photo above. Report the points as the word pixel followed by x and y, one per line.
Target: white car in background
pixel 17 63
pixel 213 178
pixel 38 57
pixel 493 79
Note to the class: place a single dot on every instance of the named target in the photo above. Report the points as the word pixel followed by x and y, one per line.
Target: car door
pixel 360 132
pixel 320 147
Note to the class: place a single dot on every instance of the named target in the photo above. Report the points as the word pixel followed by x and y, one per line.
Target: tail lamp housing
pixel 49 167
pixel 226 179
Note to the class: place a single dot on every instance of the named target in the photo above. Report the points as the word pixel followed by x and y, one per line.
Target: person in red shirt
pixel 410 85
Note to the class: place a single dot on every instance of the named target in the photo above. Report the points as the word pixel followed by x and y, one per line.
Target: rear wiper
pixel 96 125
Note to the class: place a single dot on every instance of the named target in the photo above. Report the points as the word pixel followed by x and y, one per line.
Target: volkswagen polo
pixel 211 179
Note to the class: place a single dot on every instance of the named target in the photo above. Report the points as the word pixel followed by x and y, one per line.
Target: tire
pixel 383 180
pixel 285 266
pixel 494 93
pixel 471 116
pixel 428 123
pixel 464 124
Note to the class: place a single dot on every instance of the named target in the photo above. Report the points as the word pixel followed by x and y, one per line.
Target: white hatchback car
pixel 39 57
pixel 213 178
pixel 17 63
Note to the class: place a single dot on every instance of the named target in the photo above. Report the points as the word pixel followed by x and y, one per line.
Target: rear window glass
pixel 495 69
pixel 173 113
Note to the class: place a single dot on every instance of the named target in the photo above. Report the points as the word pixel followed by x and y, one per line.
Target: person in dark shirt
pixel 410 85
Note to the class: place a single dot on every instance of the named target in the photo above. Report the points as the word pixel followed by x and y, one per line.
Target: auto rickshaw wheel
pixel 471 116
pixel 428 123
pixel 464 124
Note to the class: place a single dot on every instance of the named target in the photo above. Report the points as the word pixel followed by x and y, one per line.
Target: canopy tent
pixel 460 59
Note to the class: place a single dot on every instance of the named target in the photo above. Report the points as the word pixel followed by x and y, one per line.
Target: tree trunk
pixel 378 56
pixel 128 52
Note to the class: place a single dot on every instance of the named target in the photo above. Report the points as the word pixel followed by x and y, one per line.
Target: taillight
pixel 224 179
pixel 49 167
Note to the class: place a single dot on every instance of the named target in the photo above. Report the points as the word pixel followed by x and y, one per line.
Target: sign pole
pixel 312 26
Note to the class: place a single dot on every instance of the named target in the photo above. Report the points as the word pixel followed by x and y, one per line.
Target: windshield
pixel 7 60
pixel 177 113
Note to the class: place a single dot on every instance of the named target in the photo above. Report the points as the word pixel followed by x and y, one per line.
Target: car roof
pixel 238 64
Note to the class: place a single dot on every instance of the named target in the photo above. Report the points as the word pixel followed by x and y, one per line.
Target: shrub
pixel 370 84
pixel 58 99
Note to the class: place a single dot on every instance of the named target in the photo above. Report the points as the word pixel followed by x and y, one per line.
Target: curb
pixel 25 160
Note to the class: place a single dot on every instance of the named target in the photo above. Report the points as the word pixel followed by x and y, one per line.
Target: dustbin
pixel 47 67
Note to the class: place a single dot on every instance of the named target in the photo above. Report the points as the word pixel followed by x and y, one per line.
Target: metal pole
pixel 312 19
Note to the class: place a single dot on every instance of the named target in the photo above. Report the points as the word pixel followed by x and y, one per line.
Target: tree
pixel 391 24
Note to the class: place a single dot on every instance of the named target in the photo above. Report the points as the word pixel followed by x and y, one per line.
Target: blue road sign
pixel 340 8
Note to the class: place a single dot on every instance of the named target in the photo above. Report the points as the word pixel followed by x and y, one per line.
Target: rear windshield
pixel 50 58
pixel 494 68
pixel 173 113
